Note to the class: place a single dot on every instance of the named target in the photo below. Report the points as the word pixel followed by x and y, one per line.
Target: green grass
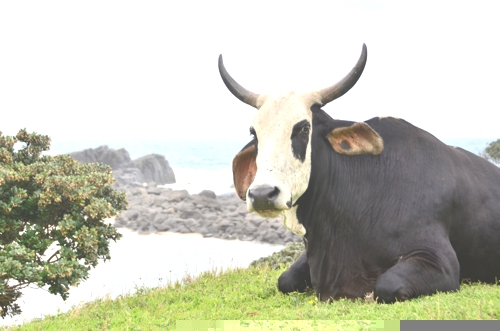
pixel 250 297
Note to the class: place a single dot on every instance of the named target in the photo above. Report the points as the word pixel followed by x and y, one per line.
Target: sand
pixel 144 260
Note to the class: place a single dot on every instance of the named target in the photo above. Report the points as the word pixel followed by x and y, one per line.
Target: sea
pixel 206 164
pixel 158 259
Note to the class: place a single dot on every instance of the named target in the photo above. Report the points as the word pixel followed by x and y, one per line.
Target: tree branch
pixel 50 258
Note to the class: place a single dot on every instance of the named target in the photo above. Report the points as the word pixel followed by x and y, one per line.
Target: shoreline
pixel 149 260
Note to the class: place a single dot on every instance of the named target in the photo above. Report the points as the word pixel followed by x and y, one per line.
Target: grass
pixel 249 299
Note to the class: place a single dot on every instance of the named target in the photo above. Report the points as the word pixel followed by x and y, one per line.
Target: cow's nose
pixel 263 197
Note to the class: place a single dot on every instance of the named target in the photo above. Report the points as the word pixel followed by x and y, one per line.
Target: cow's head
pixel 272 172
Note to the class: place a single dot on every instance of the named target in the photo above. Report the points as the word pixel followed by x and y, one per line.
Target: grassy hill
pixel 250 300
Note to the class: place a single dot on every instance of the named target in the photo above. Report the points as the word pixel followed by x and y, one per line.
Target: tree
pixel 493 151
pixel 52 212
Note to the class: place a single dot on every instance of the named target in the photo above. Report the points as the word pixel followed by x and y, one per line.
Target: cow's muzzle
pixel 264 201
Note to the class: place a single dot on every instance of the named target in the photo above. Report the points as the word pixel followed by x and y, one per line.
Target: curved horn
pixel 236 89
pixel 335 91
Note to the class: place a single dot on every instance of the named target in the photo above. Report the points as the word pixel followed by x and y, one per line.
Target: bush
pixel 493 151
pixel 52 212
pixel 287 256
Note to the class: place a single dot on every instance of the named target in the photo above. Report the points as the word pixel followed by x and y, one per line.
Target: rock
pixel 256 221
pixel 183 229
pixel 202 201
pixel 185 206
pixel 236 228
pixel 129 176
pixel 208 194
pixel 231 208
pixel 154 190
pixel 170 210
pixel 227 195
pixel 129 215
pixel 263 227
pixel 177 196
pixel 162 226
pixel 191 224
pixel 223 225
pixel 242 210
pixel 191 214
pixel 103 154
pixel 154 167
pixel 210 216
pixel 160 218
pixel 246 237
pixel 291 237
pixel 138 191
pixel 166 192
pixel 271 237
pixel 275 225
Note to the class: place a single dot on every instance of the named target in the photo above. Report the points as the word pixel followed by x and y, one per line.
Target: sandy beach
pixel 144 260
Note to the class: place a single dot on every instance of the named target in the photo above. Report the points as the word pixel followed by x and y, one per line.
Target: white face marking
pixel 292 223
pixel 276 164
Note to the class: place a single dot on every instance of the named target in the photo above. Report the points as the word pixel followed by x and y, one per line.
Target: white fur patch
pixel 291 221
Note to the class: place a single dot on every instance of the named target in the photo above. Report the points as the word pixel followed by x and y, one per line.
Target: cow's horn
pixel 335 91
pixel 236 89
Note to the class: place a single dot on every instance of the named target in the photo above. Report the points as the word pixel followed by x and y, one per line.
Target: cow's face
pixel 273 171
pixel 282 136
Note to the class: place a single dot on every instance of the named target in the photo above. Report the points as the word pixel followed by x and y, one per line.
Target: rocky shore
pixel 153 208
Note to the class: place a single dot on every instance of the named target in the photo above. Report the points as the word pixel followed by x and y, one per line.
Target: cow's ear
pixel 244 170
pixel 358 138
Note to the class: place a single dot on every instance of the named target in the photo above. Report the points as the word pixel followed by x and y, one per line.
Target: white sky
pixel 135 70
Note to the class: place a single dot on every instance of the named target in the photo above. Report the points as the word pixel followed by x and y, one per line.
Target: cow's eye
pixel 305 129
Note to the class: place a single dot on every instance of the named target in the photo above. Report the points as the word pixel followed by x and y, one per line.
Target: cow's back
pixel 464 192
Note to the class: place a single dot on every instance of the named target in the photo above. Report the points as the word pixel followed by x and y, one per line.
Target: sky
pixel 147 70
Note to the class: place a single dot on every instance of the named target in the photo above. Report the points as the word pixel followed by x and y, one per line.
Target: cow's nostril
pixel 264 197
pixel 274 194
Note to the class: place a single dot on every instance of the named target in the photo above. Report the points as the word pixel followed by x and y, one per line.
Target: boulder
pixel 129 176
pixel 191 214
pixel 154 168
pixel 103 154
pixel 208 194
pixel 177 195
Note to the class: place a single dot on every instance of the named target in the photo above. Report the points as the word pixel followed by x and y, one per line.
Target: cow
pixel 383 205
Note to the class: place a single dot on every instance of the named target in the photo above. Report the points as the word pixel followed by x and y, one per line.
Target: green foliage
pixel 285 257
pixel 52 212
pixel 493 151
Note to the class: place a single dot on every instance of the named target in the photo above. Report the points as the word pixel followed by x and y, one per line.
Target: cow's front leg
pixel 297 278
pixel 420 272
